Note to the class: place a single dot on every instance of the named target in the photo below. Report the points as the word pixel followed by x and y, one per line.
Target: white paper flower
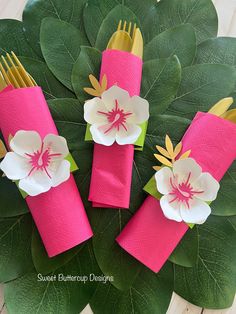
pixel 116 117
pixel 38 165
pixel 186 189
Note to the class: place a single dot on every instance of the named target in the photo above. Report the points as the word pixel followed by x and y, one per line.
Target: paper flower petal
pixel 128 135
pixel 62 173
pixel 163 179
pixel 182 169
pixel 91 111
pixel 170 209
pixel 26 142
pixel 208 185
pixel 99 136
pixel 38 182
pixel 56 145
pixel 14 166
pixel 140 108
pixel 115 93
pixel 197 213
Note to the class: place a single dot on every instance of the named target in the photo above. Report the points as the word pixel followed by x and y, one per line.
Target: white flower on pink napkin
pixel 186 191
pixel 115 117
pixel 37 165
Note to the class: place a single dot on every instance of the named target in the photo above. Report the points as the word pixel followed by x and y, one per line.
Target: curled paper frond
pixel 3 150
pixel 169 154
pixel 98 88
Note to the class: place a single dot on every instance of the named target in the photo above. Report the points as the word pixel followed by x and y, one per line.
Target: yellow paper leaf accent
pixel 92 92
pixel 3 150
pixel 104 83
pixel 98 88
pixel 169 146
pixel 185 155
pixel 222 106
pixel 163 151
pixel 163 160
pixel 10 137
pixel 177 150
pixel 157 168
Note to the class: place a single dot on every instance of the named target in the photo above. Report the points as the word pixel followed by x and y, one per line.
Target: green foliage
pixel 175 88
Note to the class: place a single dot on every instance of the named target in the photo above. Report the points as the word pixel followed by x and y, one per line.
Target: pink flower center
pixel 182 192
pixel 116 118
pixel 40 160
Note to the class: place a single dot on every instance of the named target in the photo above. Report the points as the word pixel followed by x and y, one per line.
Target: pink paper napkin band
pixel 149 236
pixel 112 166
pixel 59 213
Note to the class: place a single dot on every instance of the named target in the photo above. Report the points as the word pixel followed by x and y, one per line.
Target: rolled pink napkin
pixel 149 236
pixel 112 166
pixel 59 213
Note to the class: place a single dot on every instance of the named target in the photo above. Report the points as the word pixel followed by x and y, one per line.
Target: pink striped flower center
pixel 182 192
pixel 40 160
pixel 116 118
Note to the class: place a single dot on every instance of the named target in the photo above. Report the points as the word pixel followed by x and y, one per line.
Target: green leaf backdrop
pixel 186 69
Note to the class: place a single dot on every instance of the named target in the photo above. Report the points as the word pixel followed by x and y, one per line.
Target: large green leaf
pixel 42 263
pixel 224 205
pixel 169 13
pixel 88 62
pixel 160 83
pixel 54 296
pixel 201 87
pixel 186 253
pixel 110 23
pixel 36 10
pixel 52 88
pixel 12 38
pixel 180 41
pixel 220 50
pixel 96 11
pixel 15 243
pixel 150 293
pixel 60 43
pixel 12 203
pixel 211 282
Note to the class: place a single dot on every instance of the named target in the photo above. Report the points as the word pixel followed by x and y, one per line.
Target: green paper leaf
pixel 60 44
pixel 12 203
pixel 160 83
pixel 96 11
pixel 201 87
pixel 15 240
pixel 36 10
pixel 221 50
pixel 88 62
pixel 12 37
pixel 224 205
pixel 211 282
pixel 110 23
pixel 179 41
pixel 150 293
pixel 151 188
pixel 54 296
pixel 52 88
pixel 170 13
pixel 186 253
pixel 42 263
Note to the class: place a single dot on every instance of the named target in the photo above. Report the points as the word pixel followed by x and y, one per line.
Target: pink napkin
pixel 112 166
pixel 149 236
pixel 59 214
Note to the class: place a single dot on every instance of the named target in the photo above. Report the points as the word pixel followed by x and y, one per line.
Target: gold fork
pixel 122 39
pixel 13 72
pixel 127 39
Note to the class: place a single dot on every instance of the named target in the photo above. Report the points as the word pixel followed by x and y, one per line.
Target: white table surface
pixel 227 27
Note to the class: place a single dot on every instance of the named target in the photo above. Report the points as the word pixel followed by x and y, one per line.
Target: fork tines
pixel 14 73
pixel 125 29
